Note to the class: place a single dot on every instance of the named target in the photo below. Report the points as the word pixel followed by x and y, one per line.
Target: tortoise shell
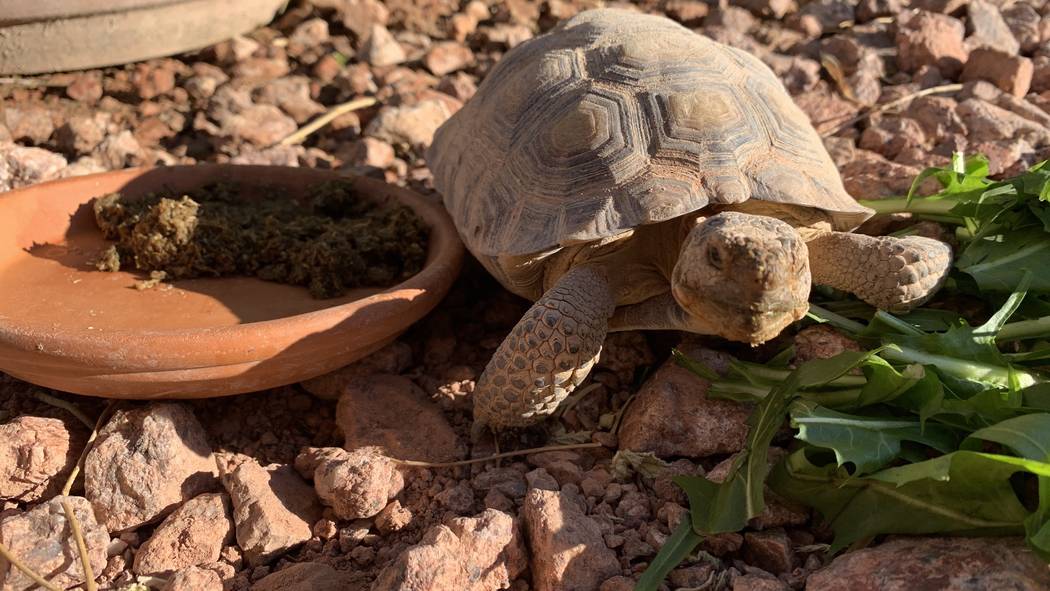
pixel 616 119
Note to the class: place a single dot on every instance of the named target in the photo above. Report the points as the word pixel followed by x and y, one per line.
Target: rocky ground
pixel 294 489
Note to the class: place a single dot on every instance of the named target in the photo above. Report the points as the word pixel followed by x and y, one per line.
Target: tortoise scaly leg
pixel 890 273
pixel 547 355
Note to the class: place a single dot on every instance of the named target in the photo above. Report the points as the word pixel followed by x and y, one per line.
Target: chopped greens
pixel 941 425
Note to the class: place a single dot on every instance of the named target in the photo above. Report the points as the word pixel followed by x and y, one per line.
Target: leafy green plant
pixel 939 426
pixel 1004 225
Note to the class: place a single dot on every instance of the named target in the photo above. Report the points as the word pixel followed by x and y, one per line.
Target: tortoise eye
pixel 715 258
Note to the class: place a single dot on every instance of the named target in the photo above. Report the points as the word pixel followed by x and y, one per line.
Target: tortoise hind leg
pixel 894 274
pixel 547 355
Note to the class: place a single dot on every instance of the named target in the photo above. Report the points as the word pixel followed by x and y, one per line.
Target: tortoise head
pixel 745 277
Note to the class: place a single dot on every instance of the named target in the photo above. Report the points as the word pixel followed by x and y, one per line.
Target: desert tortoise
pixel 627 173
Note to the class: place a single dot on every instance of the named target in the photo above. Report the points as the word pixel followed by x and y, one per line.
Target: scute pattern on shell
pixel 616 119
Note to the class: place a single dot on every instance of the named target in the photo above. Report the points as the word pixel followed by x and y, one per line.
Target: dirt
pixel 337 241
pixel 233 102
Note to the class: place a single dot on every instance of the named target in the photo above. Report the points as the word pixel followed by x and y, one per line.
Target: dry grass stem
pixel 64 405
pixel 834 69
pixel 85 559
pixel 499 456
pixel 91 439
pixel 304 132
pixel 896 103
pixel 25 569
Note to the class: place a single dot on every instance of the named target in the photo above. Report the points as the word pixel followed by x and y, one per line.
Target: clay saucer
pixel 66 326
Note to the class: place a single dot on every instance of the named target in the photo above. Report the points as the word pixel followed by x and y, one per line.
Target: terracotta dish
pixel 66 326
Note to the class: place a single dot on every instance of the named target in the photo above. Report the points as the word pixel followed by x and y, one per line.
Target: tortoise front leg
pixel 894 274
pixel 547 355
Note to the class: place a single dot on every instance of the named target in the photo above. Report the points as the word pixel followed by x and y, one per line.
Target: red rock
pixel 829 13
pixel 369 152
pixel 145 463
pixel 731 17
pixel 617 583
pixel 692 577
pixel 292 95
pixel 458 499
pixel 205 81
pixel 868 10
pixel 759 583
pixel 988 122
pixel 889 135
pixel 193 535
pixel 478 9
pixel 259 125
pixel 259 70
pixel 393 414
pixel 393 518
pixel 798 74
pixel 672 417
pixel 1001 155
pixel 272 156
pixel 937 117
pixel 21 166
pixel 941 6
pixel 86 87
pixel 1041 74
pixel 509 36
pixel 359 16
pixel 946 564
pixel 809 26
pixel 28 123
pixel 447 57
pixel 689 12
pixel 461 26
pixel 307 576
pixel 153 79
pixel 327 68
pixel 1023 21
pixel 1011 73
pixel 988 29
pixel 933 39
pixel 871 176
pixel 238 49
pixel 769 550
pixel 568 552
pixel 778 512
pixel 821 342
pixel 467 554
pixel 194 579
pixel 768 8
pixel 381 49
pixel 826 109
pixel 36 456
pixel 391 359
pixel 310 33
pixel 43 540
pixel 507 481
pixel 121 150
pixel 460 86
pixel 357 484
pixel 273 509
pixel 722 544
